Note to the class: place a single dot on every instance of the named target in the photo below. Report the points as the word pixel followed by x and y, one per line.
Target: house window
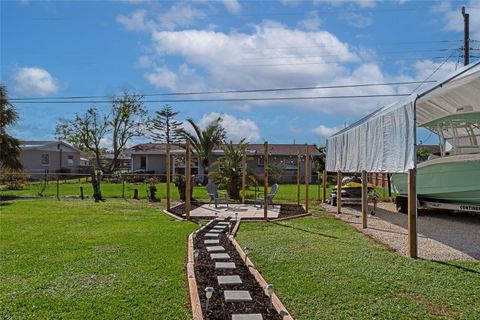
pixel 143 162
pixel 260 162
pixel 45 159
pixel 70 161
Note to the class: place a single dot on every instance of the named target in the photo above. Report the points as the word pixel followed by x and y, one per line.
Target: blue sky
pixel 54 49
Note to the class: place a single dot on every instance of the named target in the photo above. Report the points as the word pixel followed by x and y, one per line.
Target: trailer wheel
pixel 402 204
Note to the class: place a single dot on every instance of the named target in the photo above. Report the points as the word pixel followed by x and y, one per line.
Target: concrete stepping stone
pixel 223 223
pixel 212 235
pixel 247 316
pixel 219 256
pixel 215 249
pixel 211 241
pixel 220 227
pixel 225 280
pixel 215 231
pixel 237 296
pixel 225 265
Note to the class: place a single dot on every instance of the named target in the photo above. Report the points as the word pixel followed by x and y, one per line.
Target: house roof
pixel 274 149
pixel 45 145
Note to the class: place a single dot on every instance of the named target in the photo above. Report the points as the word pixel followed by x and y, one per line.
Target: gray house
pixel 49 156
pixel 150 158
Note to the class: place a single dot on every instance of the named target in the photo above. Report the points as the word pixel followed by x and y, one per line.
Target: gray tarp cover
pixel 384 140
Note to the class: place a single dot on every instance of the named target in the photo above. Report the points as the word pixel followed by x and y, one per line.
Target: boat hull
pixel 453 179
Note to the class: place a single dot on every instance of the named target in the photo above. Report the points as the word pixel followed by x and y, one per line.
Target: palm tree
pixel 10 155
pixel 228 174
pixel 204 141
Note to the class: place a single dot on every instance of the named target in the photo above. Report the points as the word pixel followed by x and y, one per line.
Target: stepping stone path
pixel 212 235
pixel 225 265
pixel 215 249
pixel 218 253
pixel 247 316
pixel 237 296
pixel 229 280
pixel 219 256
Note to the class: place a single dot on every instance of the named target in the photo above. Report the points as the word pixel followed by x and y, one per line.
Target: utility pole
pixel 466 37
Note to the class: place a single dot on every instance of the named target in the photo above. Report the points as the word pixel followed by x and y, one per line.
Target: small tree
pixel 9 146
pixel 127 121
pixel 228 174
pixel 204 141
pixel 276 171
pixel 86 133
pixel 164 128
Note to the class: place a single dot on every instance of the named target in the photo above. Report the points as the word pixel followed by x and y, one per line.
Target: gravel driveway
pixel 442 235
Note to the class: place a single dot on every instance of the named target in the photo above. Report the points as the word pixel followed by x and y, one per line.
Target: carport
pixel 385 140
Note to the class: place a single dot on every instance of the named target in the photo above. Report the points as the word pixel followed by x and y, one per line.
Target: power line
pixel 226 99
pixel 229 91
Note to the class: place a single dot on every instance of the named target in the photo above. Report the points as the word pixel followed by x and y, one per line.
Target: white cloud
pixel 453 19
pixel 34 81
pixel 324 131
pixel 180 15
pixel 232 6
pixel 312 22
pixel 356 19
pixel 135 21
pixel 236 128
pixel 359 3
pixel 183 79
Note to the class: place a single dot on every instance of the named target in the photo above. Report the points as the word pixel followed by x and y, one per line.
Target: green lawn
pixel 322 268
pixel 287 192
pixel 80 260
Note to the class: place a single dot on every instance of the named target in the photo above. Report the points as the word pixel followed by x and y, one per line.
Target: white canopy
pixel 384 141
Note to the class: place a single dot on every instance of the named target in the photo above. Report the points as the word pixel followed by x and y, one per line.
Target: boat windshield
pixel 461 131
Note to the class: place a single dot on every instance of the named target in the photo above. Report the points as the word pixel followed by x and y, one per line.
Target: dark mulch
pixel 180 209
pixel 286 210
pixel 206 276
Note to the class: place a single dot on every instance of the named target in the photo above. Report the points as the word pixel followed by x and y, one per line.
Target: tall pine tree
pixel 164 128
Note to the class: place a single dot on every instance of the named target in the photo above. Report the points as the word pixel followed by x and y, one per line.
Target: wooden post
pixel 307 176
pixel 412 214
pixel 135 194
pixel 265 182
pixel 187 180
pixel 339 192
pixel 123 187
pixel 58 188
pixel 324 185
pixel 167 179
pixel 299 160
pixel 244 175
pixel 81 193
pixel 364 199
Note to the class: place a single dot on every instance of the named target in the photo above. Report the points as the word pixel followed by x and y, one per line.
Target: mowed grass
pixel 324 269
pixel 84 260
pixel 287 192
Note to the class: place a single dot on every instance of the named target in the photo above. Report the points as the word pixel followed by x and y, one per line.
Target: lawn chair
pixel 214 195
pixel 270 196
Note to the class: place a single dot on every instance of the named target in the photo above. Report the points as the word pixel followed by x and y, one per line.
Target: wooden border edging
pixel 192 283
pixel 235 229
pixel 306 214
pixel 197 313
pixel 261 281
pixel 173 215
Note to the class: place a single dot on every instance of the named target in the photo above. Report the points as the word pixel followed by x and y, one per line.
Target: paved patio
pixel 244 211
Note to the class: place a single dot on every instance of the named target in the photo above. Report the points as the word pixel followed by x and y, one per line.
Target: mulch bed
pixel 286 210
pixel 206 276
